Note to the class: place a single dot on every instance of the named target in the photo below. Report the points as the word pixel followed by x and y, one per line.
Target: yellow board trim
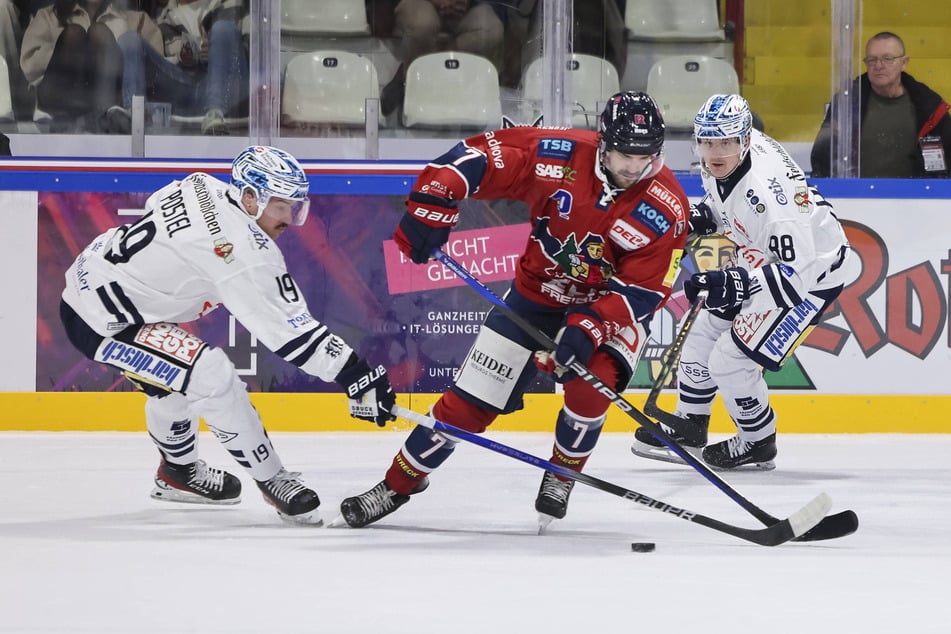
pixel 797 413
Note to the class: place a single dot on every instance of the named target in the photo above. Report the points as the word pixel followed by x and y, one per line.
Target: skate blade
pixel 543 521
pixel 169 494
pixel 662 454
pixel 311 518
pixel 338 522
pixel 765 465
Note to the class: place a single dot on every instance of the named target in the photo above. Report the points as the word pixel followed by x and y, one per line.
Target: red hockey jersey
pixel 617 250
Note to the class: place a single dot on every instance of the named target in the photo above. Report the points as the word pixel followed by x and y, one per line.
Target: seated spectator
pixel 427 26
pixel 206 68
pixel 14 15
pixel 902 126
pixel 71 55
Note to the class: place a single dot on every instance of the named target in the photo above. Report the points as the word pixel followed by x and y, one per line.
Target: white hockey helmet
pixel 268 172
pixel 724 116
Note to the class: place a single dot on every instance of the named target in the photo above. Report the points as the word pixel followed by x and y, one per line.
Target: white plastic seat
pixel 666 20
pixel 328 87
pixel 452 89
pixel 680 85
pixel 6 98
pixel 593 81
pixel 324 17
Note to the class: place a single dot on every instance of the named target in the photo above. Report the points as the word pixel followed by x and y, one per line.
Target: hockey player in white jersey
pixel 788 270
pixel 203 243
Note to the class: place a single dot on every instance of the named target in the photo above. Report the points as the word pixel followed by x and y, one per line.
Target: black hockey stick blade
pixel 775 534
pixel 832 527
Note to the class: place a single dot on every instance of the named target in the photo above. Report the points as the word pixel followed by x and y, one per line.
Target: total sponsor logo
pixel 559 172
pixel 299 321
pixel 627 237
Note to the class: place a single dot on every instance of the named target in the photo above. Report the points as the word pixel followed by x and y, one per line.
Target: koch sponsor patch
pixel 556 148
pixel 652 218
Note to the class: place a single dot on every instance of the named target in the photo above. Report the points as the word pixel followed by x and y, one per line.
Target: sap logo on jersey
pixel 561 172
pixel 556 148
pixel 627 237
pixel 652 218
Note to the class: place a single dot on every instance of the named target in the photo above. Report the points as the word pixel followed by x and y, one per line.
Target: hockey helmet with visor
pixel 722 130
pixel 271 173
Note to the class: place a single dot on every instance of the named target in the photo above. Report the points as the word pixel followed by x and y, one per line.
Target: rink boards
pixel 878 364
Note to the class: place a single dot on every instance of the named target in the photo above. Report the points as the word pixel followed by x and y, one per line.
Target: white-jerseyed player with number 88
pixel 790 251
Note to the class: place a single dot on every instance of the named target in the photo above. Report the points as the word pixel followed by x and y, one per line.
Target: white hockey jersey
pixel 193 250
pixel 787 234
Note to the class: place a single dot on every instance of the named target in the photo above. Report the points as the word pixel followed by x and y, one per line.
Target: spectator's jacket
pixel 44 29
pixel 180 21
pixel 931 114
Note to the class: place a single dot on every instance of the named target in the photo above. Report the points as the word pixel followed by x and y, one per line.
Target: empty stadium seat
pixel 324 18
pixel 328 87
pixel 593 81
pixel 680 85
pixel 452 89
pixel 665 20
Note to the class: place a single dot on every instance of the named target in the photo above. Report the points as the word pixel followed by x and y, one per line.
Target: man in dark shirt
pixel 902 126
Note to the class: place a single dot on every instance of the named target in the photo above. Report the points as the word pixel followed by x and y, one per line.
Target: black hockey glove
pixel 725 289
pixel 425 226
pixel 371 396
pixel 702 220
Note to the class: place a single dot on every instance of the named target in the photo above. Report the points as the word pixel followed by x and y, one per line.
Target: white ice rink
pixel 84 549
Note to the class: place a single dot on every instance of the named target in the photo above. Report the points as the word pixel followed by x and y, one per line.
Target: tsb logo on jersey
pixel 556 148
pixel 627 237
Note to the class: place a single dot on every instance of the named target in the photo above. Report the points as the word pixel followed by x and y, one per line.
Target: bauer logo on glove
pixel 371 397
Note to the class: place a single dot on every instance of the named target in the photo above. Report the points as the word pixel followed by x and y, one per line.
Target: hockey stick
pixel 838 525
pixel 775 534
pixel 670 359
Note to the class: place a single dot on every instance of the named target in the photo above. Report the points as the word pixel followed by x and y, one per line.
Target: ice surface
pixel 84 549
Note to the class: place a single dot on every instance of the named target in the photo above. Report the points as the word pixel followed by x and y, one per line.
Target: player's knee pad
pixel 497 371
pixel 732 368
pixel 212 376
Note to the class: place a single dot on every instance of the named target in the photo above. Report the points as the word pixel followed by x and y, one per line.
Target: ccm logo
pixel 434 215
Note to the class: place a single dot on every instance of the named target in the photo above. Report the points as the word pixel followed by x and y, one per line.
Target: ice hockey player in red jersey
pixel 204 243
pixel 609 225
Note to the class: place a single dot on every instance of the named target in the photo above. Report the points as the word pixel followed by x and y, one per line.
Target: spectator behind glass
pixel 427 26
pixel 905 130
pixel 71 55
pixel 205 69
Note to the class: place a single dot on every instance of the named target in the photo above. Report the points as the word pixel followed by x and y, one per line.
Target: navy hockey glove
pixel 370 395
pixel 725 289
pixel 425 226
pixel 702 220
pixel 581 333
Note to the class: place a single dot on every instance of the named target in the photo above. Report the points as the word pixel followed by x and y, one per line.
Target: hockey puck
pixel 643 547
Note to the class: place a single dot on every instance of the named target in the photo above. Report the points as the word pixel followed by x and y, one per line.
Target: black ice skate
pixel 734 453
pixel 364 509
pixel 294 502
pixel 552 500
pixel 646 446
pixel 195 483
